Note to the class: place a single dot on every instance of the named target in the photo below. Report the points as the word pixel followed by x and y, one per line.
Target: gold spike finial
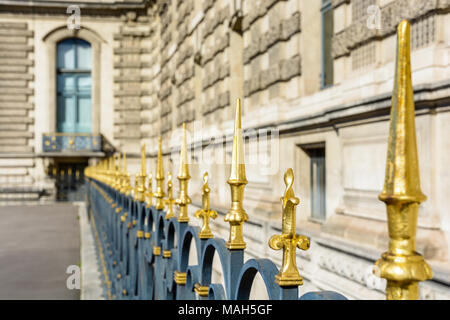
pixel 159 194
pixel 289 240
pixel 402 266
pixel 121 187
pixel 141 177
pixel 237 181
pixel 126 187
pixel 170 200
pixel 205 213
pixel 117 183
pixel 149 190
pixel 183 177
pixel 110 171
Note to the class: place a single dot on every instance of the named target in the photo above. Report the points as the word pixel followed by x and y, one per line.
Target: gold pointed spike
pixel 237 181
pixel 141 177
pixel 117 172
pixel 183 177
pixel 149 190
pixel 205 213
pixel 170 200
pixel 159 194
pixel 126 187
pixel 110 171
pixel 402 266
pixel 289 240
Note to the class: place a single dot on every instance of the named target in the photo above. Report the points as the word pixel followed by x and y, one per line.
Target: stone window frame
pixel 51 41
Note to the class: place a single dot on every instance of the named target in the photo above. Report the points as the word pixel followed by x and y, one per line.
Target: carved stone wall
pixel 358 33
pixel 16 103
pixel 271 48
pixel 131 64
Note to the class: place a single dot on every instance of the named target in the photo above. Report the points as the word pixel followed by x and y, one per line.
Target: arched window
pixel 74 83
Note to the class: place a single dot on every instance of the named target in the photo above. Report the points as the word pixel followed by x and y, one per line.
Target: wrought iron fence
pixel 145 247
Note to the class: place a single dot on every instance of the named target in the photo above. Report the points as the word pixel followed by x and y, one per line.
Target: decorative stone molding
pixel 260 10
pixel 184 10
pixel 221 43
pixel 338 3
pixel 184 55
pixel 217 74
pixel 391 15
pixel 213 22
pixel 207 4
pixel 186 73
pixel 284 71
pixel 349 267
pixel 282 31
pixel 214 104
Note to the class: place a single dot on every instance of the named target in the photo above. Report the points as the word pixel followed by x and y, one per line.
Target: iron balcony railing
pixel 71 142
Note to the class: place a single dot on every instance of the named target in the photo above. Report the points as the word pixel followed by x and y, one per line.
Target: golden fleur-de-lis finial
pixel 169 201
pixel 205 213
pixel 402 266
pixel 159 194
pixel 183 177
pixel 237 181
pixel 149 190
pixel 289 240
pixel 141 180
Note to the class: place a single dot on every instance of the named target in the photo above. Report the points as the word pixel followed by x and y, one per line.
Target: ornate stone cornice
pixel 88 8
pixel 391 15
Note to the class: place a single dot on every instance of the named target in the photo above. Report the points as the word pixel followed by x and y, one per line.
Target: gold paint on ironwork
pixel 202 291
pixel 169 201
pixel 119 276
pixel 125 187
pixel 136 185
pixel 139 234
pixel 237 181
pixel 183 177
pixel 149 193
pixel 114 263
pixel 402 266
pixel 130 225
pixel 289 240
pixel 147 235
pixel 118 210
pixel 179 277
pixel 141 177
pixel 124 292
pixel 134 222
pixel 167 254
pixel 159 194
pixel 116 175
pixel 205 213
pixel 123 218
pixel 157 250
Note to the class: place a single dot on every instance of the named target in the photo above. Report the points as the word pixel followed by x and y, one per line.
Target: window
pixel 317 181
pixel 327 38
pixel 74 64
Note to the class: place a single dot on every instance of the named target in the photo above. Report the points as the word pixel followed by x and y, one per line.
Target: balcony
pixel 72 144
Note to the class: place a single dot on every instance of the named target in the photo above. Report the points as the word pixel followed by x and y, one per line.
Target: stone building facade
pixel 315 78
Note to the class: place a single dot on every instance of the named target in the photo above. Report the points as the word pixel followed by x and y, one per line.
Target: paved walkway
pixel 37 244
